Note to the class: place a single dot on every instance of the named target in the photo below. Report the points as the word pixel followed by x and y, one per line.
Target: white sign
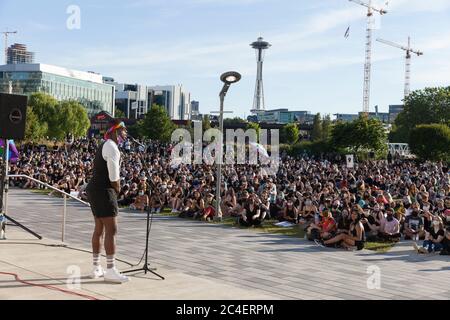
pixel 350 161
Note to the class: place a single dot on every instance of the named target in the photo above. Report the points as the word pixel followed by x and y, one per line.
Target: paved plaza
pixel 207 261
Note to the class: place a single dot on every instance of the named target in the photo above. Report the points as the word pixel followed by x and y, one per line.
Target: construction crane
pixel 368 62
pixel 6 34
pixel 408 50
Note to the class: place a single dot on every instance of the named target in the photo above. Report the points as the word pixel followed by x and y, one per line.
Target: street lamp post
pixel 228 79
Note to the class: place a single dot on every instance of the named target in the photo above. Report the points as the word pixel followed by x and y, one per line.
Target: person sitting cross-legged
pixel 251 214
pixel 390 227
pixel 434 238
pixel 355 236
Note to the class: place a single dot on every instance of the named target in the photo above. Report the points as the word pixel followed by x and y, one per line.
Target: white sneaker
pixel 113 275
pixel 98 272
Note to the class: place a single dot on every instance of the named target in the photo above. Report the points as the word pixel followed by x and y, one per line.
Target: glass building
pixel 61 83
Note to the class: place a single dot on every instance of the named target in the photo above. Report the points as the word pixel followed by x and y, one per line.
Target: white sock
pixel 110 262
pixel 96 259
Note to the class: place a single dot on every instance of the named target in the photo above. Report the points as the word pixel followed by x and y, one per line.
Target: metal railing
pixel 65 196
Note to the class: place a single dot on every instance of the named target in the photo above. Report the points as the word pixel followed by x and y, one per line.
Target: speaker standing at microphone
pixel 102 192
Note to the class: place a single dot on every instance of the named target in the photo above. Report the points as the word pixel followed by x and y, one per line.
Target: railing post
pixel 64 219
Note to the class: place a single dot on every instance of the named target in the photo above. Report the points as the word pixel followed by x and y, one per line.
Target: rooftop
pixel 60 71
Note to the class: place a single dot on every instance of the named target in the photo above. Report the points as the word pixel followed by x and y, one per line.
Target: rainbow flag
pixel 13 153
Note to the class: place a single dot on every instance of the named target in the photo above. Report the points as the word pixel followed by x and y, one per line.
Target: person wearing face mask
pixel 433 239
pixel 371 221
pixel 390 227
pixel 414 227
pixel 141 202
pixel 251 213
pixel 290 213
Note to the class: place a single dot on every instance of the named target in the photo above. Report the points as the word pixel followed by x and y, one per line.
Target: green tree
pixel 427 106
pixel 234 121
pixel 316 133
pixel 43 106
pixel 70 118
pixel 289 134
pixel 360 134
pixel 119 114
pixel 255 126
pixel 326 127
pixel 431 142
pixel 34 129
pixel 78 123
pixel 157 125
pixel 53 119
pixel 206 122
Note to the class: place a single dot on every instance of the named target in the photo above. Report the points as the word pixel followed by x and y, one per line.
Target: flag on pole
pixel 347 32
pixel 13 153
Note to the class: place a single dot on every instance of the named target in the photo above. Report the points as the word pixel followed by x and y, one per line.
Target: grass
pixel 267 227
pixel 380 247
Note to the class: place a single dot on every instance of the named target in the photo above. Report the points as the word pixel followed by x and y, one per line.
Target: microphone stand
pixel 146 267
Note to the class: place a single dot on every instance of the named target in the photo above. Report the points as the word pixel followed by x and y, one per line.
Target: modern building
pixel 61 83
pixel 347 117
pixel 282 116
pixel 18 53
pixel 133 100
pixel 175 99
pixel 195 111
pixel 394 110
pixel 195 108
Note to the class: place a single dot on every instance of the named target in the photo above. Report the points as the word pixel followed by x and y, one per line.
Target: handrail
pixel 65 194
pixel 49 186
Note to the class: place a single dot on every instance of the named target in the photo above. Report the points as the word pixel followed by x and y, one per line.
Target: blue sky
pixel 311 66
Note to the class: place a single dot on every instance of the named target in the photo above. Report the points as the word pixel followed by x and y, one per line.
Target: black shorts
pixel 103 202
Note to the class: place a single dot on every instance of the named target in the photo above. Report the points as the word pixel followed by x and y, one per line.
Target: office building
pixel 176 100
pixel 61 83
pixel 283 116
pixel 394 110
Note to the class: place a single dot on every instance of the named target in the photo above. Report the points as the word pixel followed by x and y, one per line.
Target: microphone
pixel 137 142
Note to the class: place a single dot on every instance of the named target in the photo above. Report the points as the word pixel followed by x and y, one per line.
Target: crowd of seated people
pixel 336 206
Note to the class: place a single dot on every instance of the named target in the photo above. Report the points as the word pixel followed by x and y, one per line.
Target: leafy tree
pixel 34 129
pixel 289 133
pixel 119 114
pixel 56 119
pixel 255 126
pixel 362 133
pixel 316 133
pixel 234 121
pixel 157 125
pixel 427 106
pixel 431 142
pixel 206 122
pixel 326 127
pixel 78 123
pixel 43 106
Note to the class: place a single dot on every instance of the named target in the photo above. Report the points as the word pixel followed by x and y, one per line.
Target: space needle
pixel 260 46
